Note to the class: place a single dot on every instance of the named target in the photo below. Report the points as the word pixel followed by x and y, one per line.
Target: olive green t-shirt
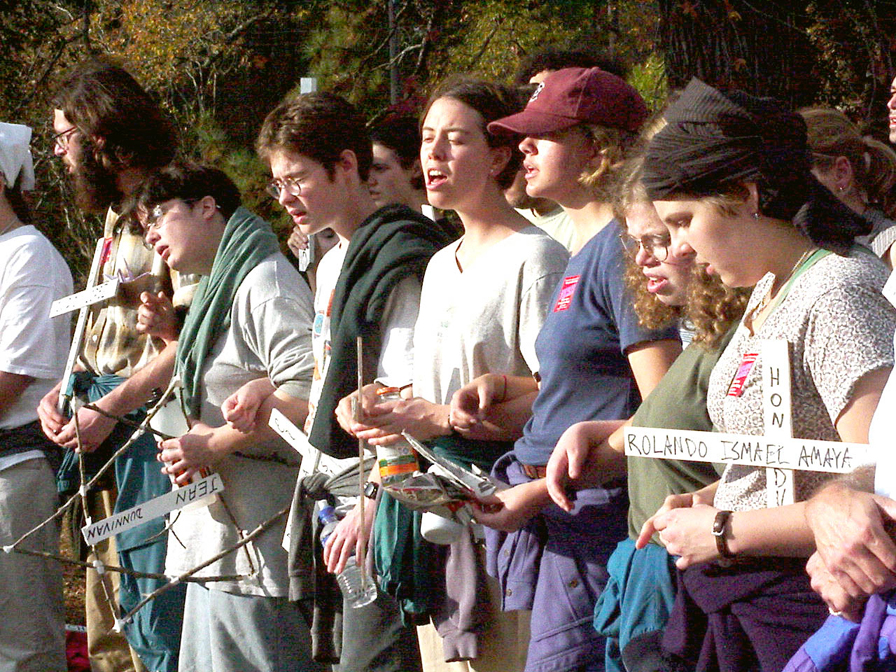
pixel 677 402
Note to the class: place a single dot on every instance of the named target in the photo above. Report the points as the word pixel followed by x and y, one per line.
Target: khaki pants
pixel 502 646
pixel 108 650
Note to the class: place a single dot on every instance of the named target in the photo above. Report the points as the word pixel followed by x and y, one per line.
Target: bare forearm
pixel 227 439
pixel 505 421
pixel 138 389
pixel 778 531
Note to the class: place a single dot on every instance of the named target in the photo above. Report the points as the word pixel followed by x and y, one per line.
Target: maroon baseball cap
pixel 577 96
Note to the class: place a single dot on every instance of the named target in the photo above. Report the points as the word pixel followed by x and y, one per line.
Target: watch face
pixel 370 489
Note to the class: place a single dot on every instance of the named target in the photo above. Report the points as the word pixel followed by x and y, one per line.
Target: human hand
pixel 345 409
pixel 156 317
pixel 92 429
pixel 240 409
pixel 383 425
pixel 852 538
pixel 186 455
pixel 51 420
pixel 509 509
pixel 470 404
pixel 687 533
pixel 671 502
pixel 350 536
pixel 832 592
pixel 297 241
pixel 575 460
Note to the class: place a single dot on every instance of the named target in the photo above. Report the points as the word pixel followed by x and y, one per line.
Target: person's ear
pixel 348 162
pixel 843 174
pixel 500 158
pixel 208 208
pixel 751 204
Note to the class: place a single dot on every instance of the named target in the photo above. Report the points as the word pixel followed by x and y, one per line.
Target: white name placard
pixel 152 509
pixel 312 459
pixel 87 297
pixel 755 451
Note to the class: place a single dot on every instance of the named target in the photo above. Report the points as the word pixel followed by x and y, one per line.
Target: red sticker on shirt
pixel 746 365
pixel 107 250
pixel 567 289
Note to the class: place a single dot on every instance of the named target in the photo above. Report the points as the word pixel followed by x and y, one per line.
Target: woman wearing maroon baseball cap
pixel 595 363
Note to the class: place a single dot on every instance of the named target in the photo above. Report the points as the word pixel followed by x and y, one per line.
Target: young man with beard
pixel 110 135
pixel 319 151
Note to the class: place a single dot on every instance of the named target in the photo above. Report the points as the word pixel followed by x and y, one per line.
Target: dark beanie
pixel 713 141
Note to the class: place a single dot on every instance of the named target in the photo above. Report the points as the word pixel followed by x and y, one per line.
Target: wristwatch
pixel 719 526
pixel 371 488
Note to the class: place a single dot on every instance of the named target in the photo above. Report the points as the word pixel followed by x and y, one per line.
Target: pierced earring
pixel 756 215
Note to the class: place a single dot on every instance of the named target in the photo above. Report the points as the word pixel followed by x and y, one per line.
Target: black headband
pixel 713 140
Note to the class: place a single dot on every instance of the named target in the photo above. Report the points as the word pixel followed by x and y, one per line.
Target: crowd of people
pixel 513 279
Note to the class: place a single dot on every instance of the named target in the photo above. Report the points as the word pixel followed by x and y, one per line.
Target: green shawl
pixel 247 241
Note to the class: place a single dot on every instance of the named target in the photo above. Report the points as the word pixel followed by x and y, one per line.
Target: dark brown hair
pixel 491 101
pixel 125 127
pixel 320 126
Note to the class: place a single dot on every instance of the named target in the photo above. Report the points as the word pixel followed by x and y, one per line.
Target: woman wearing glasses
pixel 641 589
pixel 250 319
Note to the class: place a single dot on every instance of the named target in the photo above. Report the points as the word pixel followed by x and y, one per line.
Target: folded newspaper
pixel 445 489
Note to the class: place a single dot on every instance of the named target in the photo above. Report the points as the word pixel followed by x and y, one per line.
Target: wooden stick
pixel 361 549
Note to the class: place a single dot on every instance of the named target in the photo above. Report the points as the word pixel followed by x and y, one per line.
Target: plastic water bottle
pixel 349 579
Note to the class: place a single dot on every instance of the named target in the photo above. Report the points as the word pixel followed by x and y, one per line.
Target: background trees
pixel 219 66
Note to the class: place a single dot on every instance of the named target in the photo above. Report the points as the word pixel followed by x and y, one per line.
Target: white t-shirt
pixel 486 318
pixel 557 224
pixel 32 275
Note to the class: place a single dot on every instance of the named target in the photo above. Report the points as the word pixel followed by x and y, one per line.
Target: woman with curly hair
pixel 676 290
pixel 730 176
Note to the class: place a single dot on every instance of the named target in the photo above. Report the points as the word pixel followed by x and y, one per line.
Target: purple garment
pixel 752 616
pixel 556 566
pixel 869 645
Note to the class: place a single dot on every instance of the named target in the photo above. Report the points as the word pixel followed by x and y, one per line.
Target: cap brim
pixel 532 122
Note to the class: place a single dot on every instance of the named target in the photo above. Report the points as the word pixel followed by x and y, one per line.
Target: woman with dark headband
pixel 729 175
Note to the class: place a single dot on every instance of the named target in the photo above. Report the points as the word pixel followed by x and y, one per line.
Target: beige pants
pixel 502 646
pixel 108 650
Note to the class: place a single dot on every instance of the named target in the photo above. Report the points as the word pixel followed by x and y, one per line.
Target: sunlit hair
pixel 614 147
pixel 122 124
pixel 712 308
pixel 491 101
pixel 831 135
pixel 319 126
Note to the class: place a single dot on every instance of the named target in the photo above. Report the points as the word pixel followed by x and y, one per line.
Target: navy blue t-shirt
pixel 585 374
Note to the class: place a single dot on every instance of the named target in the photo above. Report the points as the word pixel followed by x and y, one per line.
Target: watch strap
pixel 719 529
